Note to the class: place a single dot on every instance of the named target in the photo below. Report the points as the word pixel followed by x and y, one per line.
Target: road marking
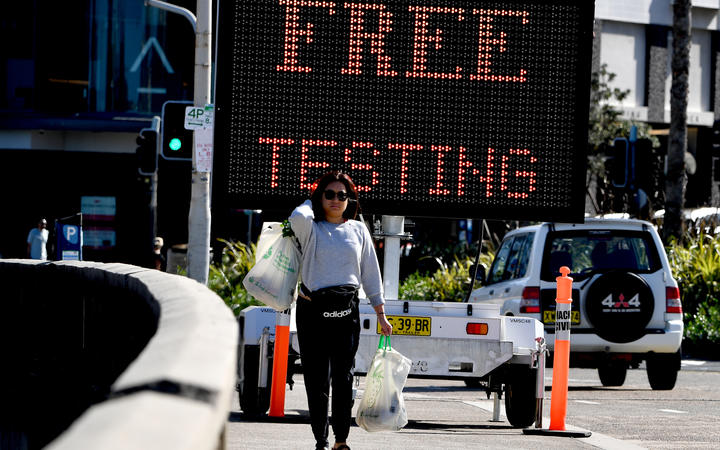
pixel 548 381
pixel 598 440
pixel 689 362
pixel 414 396
pixel 487 405
pixel 587 402
pixel 674 411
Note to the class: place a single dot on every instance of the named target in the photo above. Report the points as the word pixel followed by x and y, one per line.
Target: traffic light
pixel 716 138
pixel 621 158
pixel 644 165
pixel 176 140
pixel 146 151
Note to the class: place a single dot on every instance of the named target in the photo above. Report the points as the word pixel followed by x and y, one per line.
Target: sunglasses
pixel 330 195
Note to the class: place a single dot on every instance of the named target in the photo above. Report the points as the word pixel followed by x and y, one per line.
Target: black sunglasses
pixel 330 195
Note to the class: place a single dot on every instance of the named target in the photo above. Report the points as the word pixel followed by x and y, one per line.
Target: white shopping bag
pixel 274 278
pixel 382 407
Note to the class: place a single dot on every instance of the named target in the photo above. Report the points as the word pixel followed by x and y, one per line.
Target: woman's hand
pixel 385 327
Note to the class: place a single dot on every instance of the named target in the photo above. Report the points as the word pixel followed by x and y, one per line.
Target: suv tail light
pixel 530 302
pixel 672 300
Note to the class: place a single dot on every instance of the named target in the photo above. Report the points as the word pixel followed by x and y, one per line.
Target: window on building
pixel 141 57
pixel 17 66
pixel 623 49
pixel 94 56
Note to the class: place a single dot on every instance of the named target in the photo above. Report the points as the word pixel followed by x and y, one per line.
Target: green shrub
pixel 226 276
pixel 449 283
pixel 696 267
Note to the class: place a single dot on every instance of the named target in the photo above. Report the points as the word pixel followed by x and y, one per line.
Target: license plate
pixel 409 325
pixel 549 317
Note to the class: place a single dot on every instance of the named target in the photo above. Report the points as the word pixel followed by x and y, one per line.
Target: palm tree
pixel 675 179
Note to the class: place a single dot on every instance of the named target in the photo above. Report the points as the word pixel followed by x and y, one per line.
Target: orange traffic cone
pixel 280 361
pixel 561 361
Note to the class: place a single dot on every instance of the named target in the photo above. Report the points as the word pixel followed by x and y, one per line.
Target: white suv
pixel 626 303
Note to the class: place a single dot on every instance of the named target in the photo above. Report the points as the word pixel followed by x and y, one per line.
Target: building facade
pixel 80 79
pixel 634 40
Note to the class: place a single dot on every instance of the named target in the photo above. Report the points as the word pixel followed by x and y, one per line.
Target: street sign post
pixel 464 108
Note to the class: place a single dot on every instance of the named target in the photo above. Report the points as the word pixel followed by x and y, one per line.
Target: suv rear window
pixel 591 251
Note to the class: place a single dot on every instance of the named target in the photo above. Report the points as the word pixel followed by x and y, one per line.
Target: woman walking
pixel 338 257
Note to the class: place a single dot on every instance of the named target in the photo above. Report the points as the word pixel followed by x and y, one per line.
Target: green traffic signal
pixel 176 139
pixel 175 144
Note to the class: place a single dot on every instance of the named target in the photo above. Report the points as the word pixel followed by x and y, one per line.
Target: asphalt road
pixel 447 415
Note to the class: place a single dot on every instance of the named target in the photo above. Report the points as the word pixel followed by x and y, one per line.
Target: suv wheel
pixel 662 370
pixel 619 305
pixel 612 374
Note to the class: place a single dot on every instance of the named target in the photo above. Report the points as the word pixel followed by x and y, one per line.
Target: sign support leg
pixel 393 227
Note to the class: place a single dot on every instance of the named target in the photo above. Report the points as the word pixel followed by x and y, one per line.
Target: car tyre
pixel 520 403
pixel 254 401
pixel 624 321
pixel 662 370
pixel 612 374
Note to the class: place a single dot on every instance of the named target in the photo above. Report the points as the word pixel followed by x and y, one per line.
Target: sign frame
pixel 572 211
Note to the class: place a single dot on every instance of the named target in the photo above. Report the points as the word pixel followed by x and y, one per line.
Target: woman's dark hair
pixel 322 183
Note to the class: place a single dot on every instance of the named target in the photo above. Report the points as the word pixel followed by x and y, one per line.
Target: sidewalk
pixel 443 421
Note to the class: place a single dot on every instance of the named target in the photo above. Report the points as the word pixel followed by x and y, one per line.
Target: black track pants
pixel 327 352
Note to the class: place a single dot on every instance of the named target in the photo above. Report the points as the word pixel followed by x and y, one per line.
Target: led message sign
pixel 444 108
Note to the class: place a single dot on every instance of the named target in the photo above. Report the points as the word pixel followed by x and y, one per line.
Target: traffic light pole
pixel 199 219
pixel 154 180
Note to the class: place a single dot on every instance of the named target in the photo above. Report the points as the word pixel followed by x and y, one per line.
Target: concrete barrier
pixel 126 357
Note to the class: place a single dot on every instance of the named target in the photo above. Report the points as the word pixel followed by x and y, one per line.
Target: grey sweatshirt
pixel 336 254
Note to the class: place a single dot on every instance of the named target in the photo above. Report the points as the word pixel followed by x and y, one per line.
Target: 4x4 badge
pixel 621 303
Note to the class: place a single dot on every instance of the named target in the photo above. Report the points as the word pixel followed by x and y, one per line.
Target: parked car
pixel 704 220
pixel 626 304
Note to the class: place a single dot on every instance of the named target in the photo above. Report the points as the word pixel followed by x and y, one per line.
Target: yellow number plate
pixel 549 317
pixel 409 325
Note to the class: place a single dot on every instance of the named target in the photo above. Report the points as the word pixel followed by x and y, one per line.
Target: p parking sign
pixel 69 241
pixel 446 108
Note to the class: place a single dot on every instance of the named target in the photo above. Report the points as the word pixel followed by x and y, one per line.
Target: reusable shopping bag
pixel 382 407
pixel 273 279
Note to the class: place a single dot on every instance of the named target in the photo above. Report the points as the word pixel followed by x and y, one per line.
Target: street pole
pixel 154 180
pixel 199 218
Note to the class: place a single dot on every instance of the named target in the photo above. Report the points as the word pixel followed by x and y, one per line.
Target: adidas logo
pixel 336 314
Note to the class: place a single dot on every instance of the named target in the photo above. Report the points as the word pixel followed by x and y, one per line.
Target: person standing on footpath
pixel 337 257
pixel 37 240
pixel 158 259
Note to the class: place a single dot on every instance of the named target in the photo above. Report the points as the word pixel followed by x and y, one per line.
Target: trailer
pixel 445 340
